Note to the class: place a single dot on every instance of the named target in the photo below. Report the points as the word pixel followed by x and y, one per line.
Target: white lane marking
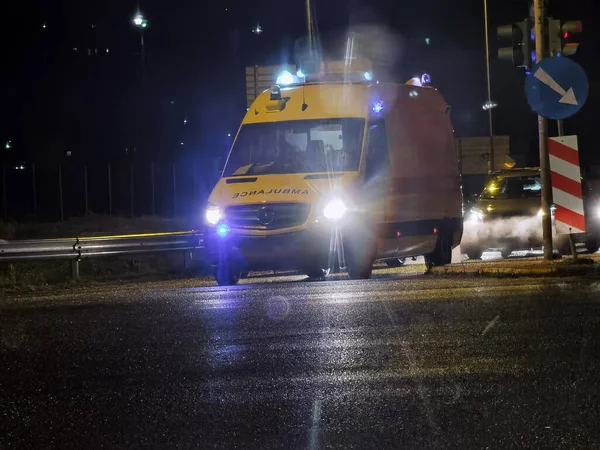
pixel 490 325
pixel 413 370
pixel 314 429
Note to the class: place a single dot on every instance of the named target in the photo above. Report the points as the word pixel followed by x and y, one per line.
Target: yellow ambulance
pixel 336 169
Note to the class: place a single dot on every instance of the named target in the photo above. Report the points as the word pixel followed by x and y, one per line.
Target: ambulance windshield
pixel 298 146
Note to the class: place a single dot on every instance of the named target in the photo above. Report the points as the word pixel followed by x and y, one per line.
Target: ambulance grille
pixel 267 216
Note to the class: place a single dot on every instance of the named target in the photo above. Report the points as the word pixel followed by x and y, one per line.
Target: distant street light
pixel 257 30
pixel 141 23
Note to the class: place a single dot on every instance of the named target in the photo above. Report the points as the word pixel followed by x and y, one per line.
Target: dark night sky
pixel 55 98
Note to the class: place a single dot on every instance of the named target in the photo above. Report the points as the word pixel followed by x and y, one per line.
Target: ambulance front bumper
pixel 293 250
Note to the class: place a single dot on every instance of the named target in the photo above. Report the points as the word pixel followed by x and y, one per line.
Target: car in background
pixel 507 216
pixel 591 206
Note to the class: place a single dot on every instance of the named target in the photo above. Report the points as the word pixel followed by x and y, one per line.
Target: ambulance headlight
pixel 213 214
pixel 334 210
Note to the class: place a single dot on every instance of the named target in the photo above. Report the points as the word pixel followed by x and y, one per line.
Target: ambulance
pixel 337 169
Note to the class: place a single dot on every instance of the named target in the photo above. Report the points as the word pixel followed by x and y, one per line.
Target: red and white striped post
pixel 566 185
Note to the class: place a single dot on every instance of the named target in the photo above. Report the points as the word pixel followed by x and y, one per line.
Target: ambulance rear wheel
pixel 395 262
pixel 316 273
pixel 442 254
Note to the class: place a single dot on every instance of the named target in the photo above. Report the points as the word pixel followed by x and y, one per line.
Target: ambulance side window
pixel 378 156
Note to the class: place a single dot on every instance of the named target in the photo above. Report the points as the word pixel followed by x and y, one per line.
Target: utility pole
pixel 143 54
pixel 539 18
pixel 141 23
pixel 489 86
pixel 309 25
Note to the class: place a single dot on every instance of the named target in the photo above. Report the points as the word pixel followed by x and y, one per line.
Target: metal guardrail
pixel 76 249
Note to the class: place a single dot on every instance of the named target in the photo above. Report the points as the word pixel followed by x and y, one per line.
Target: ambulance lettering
pixel 270 191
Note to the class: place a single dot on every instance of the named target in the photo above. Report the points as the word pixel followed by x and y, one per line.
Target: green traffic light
pixel 8 145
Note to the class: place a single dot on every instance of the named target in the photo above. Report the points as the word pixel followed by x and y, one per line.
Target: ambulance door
pixel 377 178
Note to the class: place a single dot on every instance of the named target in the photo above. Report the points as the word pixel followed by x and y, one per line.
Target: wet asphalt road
pixel 395 362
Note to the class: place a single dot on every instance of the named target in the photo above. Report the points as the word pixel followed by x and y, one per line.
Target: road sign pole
pixel 561 127
pixel 543 138
pixel 4 196
pixel 489 89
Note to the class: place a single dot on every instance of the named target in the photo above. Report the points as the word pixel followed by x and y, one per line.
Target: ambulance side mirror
pixel 448 109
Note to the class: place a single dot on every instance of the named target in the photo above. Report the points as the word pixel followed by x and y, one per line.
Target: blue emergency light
pixel 223 230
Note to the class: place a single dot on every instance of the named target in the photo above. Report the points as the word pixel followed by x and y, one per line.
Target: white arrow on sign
pixel 568 97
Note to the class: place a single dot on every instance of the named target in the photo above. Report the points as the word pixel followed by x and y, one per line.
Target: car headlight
pixel 541 211
pixel 474 216
pixel 213 214
pixel 334 210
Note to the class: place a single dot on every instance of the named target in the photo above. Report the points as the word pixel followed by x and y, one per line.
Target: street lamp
pixel 489 86
pixel 141 23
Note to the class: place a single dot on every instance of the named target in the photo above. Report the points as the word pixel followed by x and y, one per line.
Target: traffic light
pixel 521 51
pixel 560 36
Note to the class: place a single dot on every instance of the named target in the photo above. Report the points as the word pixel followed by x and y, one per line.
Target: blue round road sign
pixel 557 88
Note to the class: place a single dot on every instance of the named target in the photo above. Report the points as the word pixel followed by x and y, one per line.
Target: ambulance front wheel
pixel 227 275
pixel 360 256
